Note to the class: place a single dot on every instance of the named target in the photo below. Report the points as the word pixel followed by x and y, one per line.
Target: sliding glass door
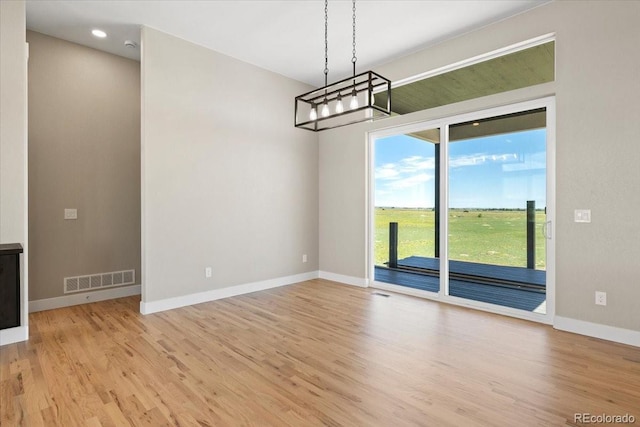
pixel 497 204
pixel 462 208
pixel 406 210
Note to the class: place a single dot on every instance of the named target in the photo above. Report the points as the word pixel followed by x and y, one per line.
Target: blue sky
pixel 501 171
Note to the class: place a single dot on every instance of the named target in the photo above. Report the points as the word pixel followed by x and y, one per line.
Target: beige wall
pixel 13 143
pixel 228 182
pixel 597 91
pixel 84 153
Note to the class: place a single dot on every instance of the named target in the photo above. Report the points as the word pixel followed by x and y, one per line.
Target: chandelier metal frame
pixel 323 108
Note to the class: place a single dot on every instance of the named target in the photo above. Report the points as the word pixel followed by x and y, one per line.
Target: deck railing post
pixel 531 234
pixel 393 245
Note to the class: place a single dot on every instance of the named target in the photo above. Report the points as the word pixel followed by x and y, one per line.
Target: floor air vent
pixel 379 294
pixel 99 281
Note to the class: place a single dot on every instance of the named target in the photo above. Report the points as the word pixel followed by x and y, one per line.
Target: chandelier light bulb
pixel 313 115
pixel 339 106
pixel 325 109
pixel 354 100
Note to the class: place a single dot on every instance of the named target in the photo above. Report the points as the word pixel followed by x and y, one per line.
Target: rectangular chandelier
pixel 360 98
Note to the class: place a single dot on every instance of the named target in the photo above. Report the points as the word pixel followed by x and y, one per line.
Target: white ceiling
pixel 286 37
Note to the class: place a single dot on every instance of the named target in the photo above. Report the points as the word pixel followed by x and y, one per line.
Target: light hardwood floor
pixel 310 354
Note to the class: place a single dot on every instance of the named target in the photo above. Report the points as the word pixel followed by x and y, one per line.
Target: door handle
pixel 547 230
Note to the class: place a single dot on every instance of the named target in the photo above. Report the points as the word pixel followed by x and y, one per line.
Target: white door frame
pixel 443 125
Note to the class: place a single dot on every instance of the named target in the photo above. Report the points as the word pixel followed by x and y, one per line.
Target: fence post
pixel 393 245
pixel 531 234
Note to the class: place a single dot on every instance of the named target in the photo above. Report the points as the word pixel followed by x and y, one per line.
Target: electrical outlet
pixel 304 258
pixel 601 298
pixel 208 272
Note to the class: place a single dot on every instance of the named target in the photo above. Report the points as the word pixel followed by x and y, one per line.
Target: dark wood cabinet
pixel 10 285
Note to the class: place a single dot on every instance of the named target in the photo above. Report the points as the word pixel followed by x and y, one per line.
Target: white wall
pixel 597 91
pixel 84 153
pixel 13 144
pixel 227 181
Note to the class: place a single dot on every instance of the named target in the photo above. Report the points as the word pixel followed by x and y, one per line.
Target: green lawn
pixel 485 236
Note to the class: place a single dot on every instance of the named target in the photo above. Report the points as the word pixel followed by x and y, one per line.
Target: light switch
pixel 582 215
pixel 71 214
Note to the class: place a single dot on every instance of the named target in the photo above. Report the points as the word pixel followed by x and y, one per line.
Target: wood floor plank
pixel 311 354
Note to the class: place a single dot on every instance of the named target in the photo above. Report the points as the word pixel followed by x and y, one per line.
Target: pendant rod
pixel 354 58
pixel 326 41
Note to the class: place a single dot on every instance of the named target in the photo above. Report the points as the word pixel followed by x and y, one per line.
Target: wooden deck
pixel 483 273
pixel 522 298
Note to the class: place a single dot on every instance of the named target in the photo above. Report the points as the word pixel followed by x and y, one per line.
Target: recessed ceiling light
pixel 476 124
pixel 99 33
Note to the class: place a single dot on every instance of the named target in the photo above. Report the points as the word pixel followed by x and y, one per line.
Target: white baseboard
pixel 215 294
pixel 83 298
pixel 13 335
pixel 596 330
pixel 347 280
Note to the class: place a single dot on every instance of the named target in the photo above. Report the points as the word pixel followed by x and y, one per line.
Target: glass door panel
pixel 497 210
pixel 406 232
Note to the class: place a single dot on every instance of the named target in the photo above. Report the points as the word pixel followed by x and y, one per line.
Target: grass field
pixel 486 236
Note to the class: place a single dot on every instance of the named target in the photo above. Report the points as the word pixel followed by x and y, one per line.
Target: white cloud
pixel 404 168
pixel 416 164
pixel 481 158
pixel 469 160
pixel 387 171
pixel 408 182
pixel 529 162
pixel 404 175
